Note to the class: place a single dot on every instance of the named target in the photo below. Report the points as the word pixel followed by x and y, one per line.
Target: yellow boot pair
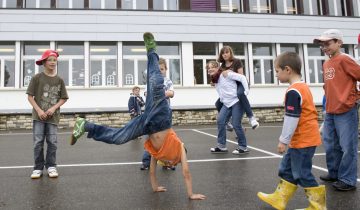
pixel 279 199
pixel 316 197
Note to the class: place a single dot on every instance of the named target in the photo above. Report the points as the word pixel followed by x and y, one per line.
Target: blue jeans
pixel 156 117
pixel 146 158
pixel 295 167
pixel 340 137
pixel 223 116
pixel 42 131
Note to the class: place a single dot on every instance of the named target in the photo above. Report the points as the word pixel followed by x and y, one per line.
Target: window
pixel 71 63
pixel 316 58
pixel 287 6
pixel 356 6
pixel 240 52
pixel 37 3
pixel 72 4
pixel 285 47
pixel 103 63
pixel 313 7
pixel 203 53
pixel 260 6
pixel 339 8
pixel 262 63
pixel 32 52
pixel 230 6
pixel 102 4
pixel 166 5
pixel 135 62
pixel 7 3
pixel 135 4
pixel 7 64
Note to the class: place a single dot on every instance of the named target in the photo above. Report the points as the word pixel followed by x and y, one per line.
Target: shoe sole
pixel 73 140
pixel 255 127
pixel 56 176
pixel 224 152
pixel 243 153
pixel 36 177
pixel 342 189
pixel 329 180
pixel 262 197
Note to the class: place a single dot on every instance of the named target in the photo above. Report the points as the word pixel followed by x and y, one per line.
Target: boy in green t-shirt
pixel 46 93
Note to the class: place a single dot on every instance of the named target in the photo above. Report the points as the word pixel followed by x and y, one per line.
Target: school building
pixel 102 54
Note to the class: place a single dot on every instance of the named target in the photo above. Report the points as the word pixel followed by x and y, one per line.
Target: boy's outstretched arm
pixel 154 184
pixel 187 178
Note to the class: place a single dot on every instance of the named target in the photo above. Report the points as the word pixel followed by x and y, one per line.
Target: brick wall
pixel 118 119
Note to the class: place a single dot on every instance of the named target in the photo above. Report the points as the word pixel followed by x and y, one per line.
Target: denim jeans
pixel 156 117
pixel 223 116
pixel 146 158
pixel 42 131
pixel 295 167
pixel 243 100
pixel 340 137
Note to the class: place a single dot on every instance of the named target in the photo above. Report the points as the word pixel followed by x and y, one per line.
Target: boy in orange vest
pixel 301 134
pixel 163 144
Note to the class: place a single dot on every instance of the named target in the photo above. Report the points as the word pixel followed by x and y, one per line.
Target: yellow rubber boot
pixel 316 197
pixel 279 199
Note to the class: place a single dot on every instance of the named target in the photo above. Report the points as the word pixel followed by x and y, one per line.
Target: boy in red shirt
pixel 340 135
pixel 301 133
pixel 163 144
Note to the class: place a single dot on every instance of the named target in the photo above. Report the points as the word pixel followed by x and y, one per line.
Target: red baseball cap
pixel 358 45
pixel 45 55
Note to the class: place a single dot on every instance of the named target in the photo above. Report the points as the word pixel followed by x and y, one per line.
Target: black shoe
pixel 218 150
pixel 143 168
pixel 327 178
pixel 342 186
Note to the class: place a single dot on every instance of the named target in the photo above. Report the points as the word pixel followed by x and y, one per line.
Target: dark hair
pixel 290 59
pixel 225 48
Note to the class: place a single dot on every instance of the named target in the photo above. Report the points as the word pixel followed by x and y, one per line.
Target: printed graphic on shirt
pixel 293 104
pixel 50 96
pixel 329 73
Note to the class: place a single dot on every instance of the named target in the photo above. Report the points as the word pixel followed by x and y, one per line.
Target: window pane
pixel 134 48
pixel 167 48
pixel 198 71
pixel 257 71
pixel 78 72
pixel 110 4
pixel 32 48
pixel 9 75
pixel 312 71
pixel 142 65
pixel 9 3
pixel 172 4
pixel 262 49
pixel 291 7
pixel 30 3
pixel 265 6
pixel 230 5
pixel 63 71
pixel 95 4
pixel 163 48
pixel 238 48
pixel 204 48
pixel 29 71
pixel 45 4
pixel 62 4
pixel 320 71
pixel 7 48
pixel 127 4
pixel 95 72
pixel 174 67
pixel 128 72
pixel 159 5
pixel 289 48
pixel 78 4
pixel 280 6
pixel 32 52
pixel 356 7
pixel 142 4
pixel 111 72
pixel 103 48
pixel 314 50
pixel 70 48
pixel 253 6
pixel 269 71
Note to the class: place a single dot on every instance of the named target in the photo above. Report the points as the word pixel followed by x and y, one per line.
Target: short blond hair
pixel 135 87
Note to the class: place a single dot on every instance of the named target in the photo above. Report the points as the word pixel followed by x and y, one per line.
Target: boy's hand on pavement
pixel 160 189
pixel 197 197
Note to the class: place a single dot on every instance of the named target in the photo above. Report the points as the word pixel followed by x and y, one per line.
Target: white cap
pixel 329 35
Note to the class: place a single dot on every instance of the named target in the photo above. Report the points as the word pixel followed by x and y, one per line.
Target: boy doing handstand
pixel 163 143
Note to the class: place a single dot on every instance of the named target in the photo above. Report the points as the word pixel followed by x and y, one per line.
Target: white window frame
pixel 286 7
pixel 204 58
pixel 4 58
pixel 135 59
pixel 70 59
pixel 166 4
pixel 230 5
pixel 103 59
pixel 262 58
pixel 258 4
pixel 313 58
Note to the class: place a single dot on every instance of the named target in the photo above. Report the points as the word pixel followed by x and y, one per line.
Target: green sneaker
pixel 149 40
pixel 78 131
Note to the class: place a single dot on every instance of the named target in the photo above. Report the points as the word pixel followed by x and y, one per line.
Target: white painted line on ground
pixel 264 151
pixel 138 163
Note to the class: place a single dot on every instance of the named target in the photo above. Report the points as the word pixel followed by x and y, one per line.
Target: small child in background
pixel 136 102
pixel 301 133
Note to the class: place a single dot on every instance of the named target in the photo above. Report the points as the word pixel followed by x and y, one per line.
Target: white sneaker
pixel 36 174
pixel 254 123
pixel 52 172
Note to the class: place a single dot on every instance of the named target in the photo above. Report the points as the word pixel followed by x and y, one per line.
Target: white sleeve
pixel 241 78
pixel 288 130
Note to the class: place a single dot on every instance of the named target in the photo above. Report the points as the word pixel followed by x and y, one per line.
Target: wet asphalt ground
pixel 95 175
